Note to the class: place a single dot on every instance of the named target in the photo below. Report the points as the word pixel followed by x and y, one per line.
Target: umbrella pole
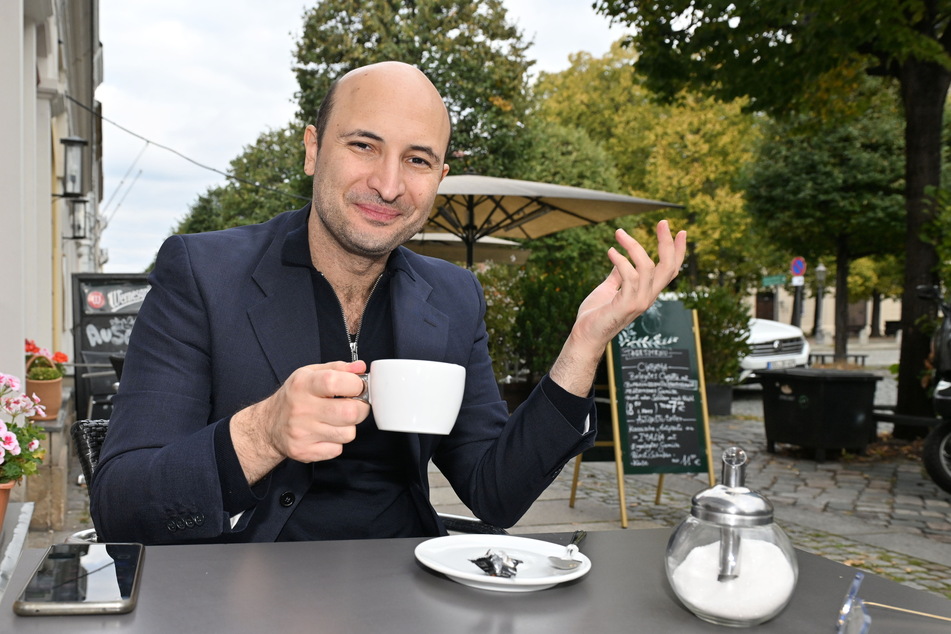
pixel 470 232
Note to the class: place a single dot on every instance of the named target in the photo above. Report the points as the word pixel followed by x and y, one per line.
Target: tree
pixel 832 190
pixel 563 267
pixel 783 55
pixel 473 56
pixel 565 155
pixel 266 179
pixel 604 97
pixel 691 153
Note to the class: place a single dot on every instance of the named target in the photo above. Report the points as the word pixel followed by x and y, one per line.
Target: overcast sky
pixel 206 78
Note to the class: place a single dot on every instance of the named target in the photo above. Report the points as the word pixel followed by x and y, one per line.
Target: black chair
pixel 88 435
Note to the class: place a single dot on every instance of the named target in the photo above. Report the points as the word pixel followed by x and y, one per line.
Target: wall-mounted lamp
pixel 79 218
pixel 73 166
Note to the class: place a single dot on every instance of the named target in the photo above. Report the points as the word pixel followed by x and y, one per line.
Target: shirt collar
pixel 296 252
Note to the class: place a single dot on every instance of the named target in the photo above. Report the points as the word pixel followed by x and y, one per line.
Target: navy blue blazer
pixel 226 322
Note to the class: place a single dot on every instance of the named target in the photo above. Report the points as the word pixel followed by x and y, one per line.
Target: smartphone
pixel 84 579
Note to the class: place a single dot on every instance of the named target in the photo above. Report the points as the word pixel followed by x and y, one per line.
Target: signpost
pixel 797 266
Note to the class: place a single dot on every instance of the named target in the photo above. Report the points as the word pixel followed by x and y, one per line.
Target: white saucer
pixel 452 556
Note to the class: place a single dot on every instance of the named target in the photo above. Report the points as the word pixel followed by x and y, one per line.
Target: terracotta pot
pixel 51 396
pixel 5 488
pixel 50 392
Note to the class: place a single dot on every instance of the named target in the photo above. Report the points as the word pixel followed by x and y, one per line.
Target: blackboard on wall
pixel 657 392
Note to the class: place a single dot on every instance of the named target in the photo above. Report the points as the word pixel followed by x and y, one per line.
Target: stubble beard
pixel 361 243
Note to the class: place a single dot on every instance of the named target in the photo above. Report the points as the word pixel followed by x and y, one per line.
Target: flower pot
pixel 5 488
pixel 50 394
pixel 49 391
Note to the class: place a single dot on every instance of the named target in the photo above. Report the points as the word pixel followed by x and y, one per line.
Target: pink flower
pixel 9 381
pixel 34 445
pixel 8 440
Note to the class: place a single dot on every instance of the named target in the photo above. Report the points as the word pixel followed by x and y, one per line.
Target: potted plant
pixel 724 341
pixel 44 378
pixel 20 450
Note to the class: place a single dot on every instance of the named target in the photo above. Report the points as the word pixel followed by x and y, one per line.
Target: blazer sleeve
pixel 498 464
pixel 157 479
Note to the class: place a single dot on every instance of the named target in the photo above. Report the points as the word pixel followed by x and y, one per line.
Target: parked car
pixel 774 345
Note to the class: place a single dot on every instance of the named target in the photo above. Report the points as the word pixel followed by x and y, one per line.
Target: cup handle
pixel 365 394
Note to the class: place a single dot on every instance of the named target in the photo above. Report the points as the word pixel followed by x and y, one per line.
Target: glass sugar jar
pixel 728 562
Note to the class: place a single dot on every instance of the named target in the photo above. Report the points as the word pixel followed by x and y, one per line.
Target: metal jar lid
pixel 731 503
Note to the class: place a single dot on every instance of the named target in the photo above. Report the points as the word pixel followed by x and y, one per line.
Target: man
pixel 229 424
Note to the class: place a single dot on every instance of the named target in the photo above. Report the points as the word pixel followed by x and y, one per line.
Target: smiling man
pixel 229 425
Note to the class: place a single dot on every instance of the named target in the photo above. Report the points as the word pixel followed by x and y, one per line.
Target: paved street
pixel 878 512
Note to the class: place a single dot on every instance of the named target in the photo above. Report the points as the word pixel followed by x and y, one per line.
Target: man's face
pixel 379 164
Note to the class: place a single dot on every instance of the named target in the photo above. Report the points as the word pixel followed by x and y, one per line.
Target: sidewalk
pixel 880 513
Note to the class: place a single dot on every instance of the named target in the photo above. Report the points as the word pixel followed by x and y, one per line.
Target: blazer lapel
pixel 420 330
pixel 285 320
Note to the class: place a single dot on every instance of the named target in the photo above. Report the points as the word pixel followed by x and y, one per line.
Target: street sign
pixel 797 266
pixel 798 280
pixel 774 280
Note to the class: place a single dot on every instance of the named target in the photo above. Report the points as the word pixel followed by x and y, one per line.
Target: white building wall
pixel 39 41
pixel 15 234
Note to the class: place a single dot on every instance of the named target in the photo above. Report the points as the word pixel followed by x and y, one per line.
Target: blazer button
pixel 287 498
pixel 170 525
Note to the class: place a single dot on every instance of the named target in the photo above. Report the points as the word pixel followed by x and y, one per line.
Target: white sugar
pixel 763 586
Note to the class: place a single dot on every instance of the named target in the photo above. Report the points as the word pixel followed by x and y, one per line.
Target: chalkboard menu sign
pixel 657 389
pixel 104 310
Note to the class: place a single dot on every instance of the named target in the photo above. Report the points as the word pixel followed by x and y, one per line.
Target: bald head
pixel 387 81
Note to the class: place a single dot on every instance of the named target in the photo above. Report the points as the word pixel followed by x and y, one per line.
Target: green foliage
pixel 784 56
pixel 939 233
pixel 268 179
pixel 561 271
pixel 565 155
pixel 724 332
pixel 810 56
pixel 501 284
pixel 473 56
pixel 868 276
pixel 604 97
pixel 43 368
pixel 43 374
pixel 691 153
pixel 811 190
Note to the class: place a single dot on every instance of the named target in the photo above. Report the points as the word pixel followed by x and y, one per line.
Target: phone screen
pixel 83 579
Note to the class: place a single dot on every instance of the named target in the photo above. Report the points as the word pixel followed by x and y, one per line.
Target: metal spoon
pixel 569 562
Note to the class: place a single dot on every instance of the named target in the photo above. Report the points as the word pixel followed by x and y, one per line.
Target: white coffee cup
pixel 410 395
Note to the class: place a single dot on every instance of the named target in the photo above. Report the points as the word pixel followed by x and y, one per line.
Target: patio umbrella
pixel 449 246
pixel 473 207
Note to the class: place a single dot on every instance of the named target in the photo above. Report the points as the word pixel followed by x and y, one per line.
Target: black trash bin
pixel 819 409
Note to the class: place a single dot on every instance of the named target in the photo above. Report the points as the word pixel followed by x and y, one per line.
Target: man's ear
pixel 310 150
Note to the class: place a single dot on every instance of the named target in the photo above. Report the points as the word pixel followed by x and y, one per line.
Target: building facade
pixel 50 66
